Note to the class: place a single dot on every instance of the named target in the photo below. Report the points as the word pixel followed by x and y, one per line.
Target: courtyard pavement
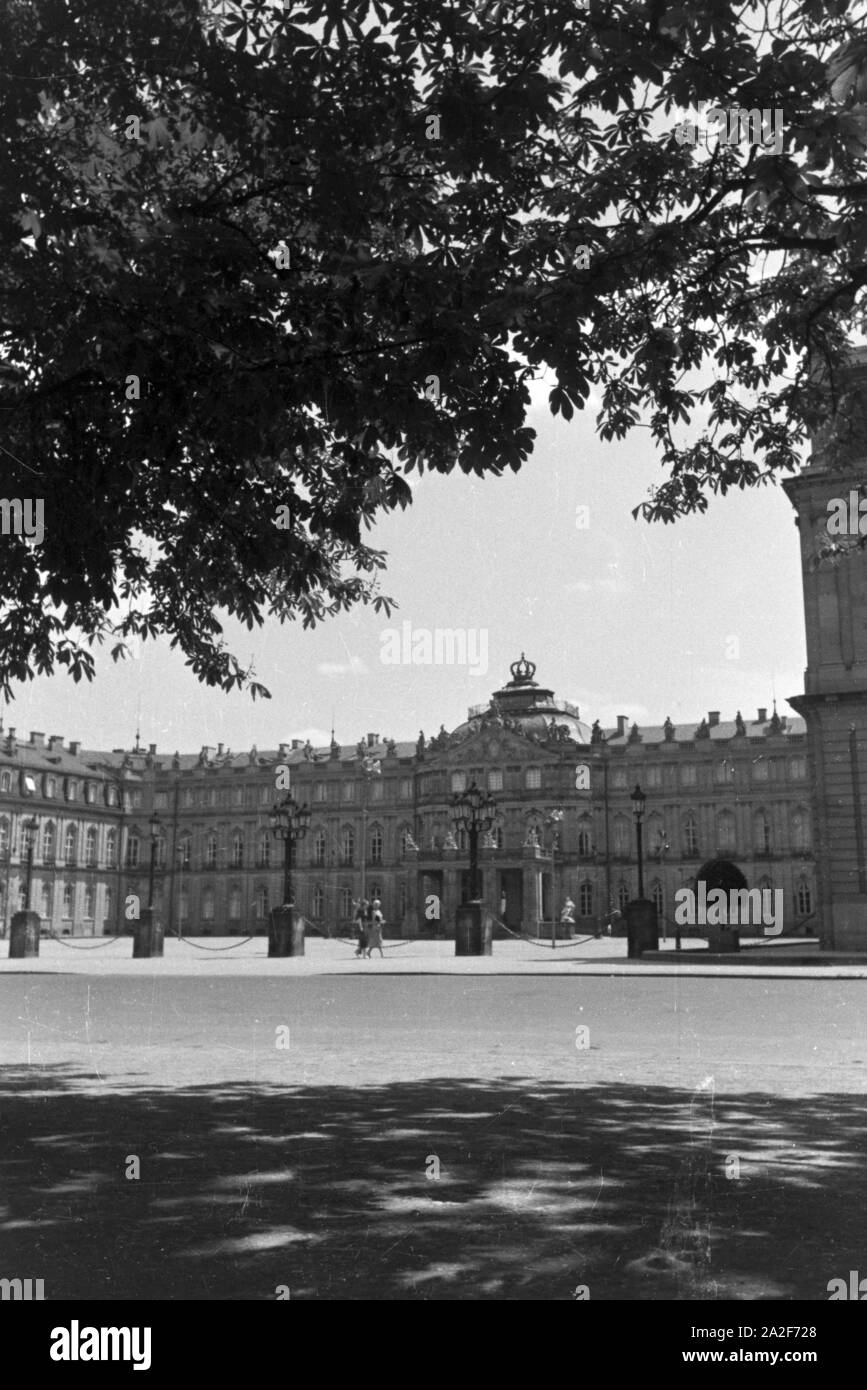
pixel 213 956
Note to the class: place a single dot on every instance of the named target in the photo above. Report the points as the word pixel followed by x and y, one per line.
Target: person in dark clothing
pixel 362 912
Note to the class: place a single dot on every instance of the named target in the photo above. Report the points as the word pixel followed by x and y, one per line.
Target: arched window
pixel 208 905
pixel 462 839
pixel 585 837
pixel 347 845
pixel 70 844
pixel 184 905
pixel 211 852
pixel 90 847
pixel 803 898
pixel 585 900
pixel 184 851
pixel 405 837
pixel 761 833
pixel 345 904
pixel 109 904
pixel 657 896
pixel 22 895
pixel 261 903
pixel 68 899
pixel 4 836
pixel 622 837
pixel 5 781
pixel 49 842
pixel 46 900
pixel 320 845
pixel 234 904
pixel 725 832
pixel 498 836
pixel 376 845
pixel 317 901
pixel 88 902
pixel 690 834
pixel 263 850
pixel 132 851
pixel 801 832
pixel 622 894
pixel 238 850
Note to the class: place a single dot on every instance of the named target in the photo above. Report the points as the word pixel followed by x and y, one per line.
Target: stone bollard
pixel 642 930
pixel 285 932
pixel 474 930
pixel 24 935
pixel 147 937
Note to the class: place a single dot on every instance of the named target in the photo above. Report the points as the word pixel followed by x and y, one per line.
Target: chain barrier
pixel 188 942
pixel 109 941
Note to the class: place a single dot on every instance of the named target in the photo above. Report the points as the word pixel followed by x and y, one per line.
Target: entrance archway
pixel 720 873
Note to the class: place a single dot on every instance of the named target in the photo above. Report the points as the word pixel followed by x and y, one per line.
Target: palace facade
pixel 736 791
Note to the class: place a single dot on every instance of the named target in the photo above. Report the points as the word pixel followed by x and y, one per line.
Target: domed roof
pixel 524 704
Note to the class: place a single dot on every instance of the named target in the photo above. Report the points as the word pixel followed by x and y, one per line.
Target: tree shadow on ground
pixel 332 1191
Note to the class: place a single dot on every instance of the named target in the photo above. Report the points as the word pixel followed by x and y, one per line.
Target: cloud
pixel 319 738
pixel 353 667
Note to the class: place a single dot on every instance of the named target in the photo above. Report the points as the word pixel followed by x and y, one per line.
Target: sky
pixel 619 615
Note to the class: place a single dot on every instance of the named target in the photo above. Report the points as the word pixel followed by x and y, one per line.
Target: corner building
pixel 722 797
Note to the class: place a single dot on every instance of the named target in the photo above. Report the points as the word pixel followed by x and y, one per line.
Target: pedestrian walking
pixel 374 931
pixel 362 908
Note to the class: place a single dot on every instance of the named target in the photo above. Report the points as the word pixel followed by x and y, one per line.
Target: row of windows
pixel 802 896
pixel 44 899
pixel 71 788
pixel 45 843
pixel 261 795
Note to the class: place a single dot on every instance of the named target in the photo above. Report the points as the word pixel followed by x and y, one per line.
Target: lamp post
pixel 473 811
pixel 289 823
pixel 31 826
pixel 370 767
pixel 639 800
pixel 155 827
pixel 554 820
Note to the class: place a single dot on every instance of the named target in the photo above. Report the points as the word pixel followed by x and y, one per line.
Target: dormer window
pixel 29 784
pixel 5 781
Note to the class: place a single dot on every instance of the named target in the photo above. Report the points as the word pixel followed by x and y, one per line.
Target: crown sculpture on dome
pixel 522 671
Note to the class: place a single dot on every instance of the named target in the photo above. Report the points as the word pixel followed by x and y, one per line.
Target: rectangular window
pixel 495 780
pixel 619 777
pixel 376 789
pixel 459 782
pixel 161 801
pixel 653 776
pixel 688 775
pixel 406 789
pixel 319 791
pixel 760 770
pixel 534 777
pixel 348 791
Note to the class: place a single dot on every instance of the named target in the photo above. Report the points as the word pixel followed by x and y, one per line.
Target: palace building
pixel 730 803
pixel 723 796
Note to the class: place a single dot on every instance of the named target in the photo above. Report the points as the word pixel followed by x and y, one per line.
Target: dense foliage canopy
pixel 261 261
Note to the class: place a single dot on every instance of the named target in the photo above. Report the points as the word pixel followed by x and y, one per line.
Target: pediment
pixel 494 744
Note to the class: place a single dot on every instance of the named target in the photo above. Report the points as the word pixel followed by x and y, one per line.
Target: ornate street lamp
pixel 639 801
pixel 371 767
pixel 31 826
pixel 554 820
pixel 289 823
pixel 155 827
pixel 475 812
